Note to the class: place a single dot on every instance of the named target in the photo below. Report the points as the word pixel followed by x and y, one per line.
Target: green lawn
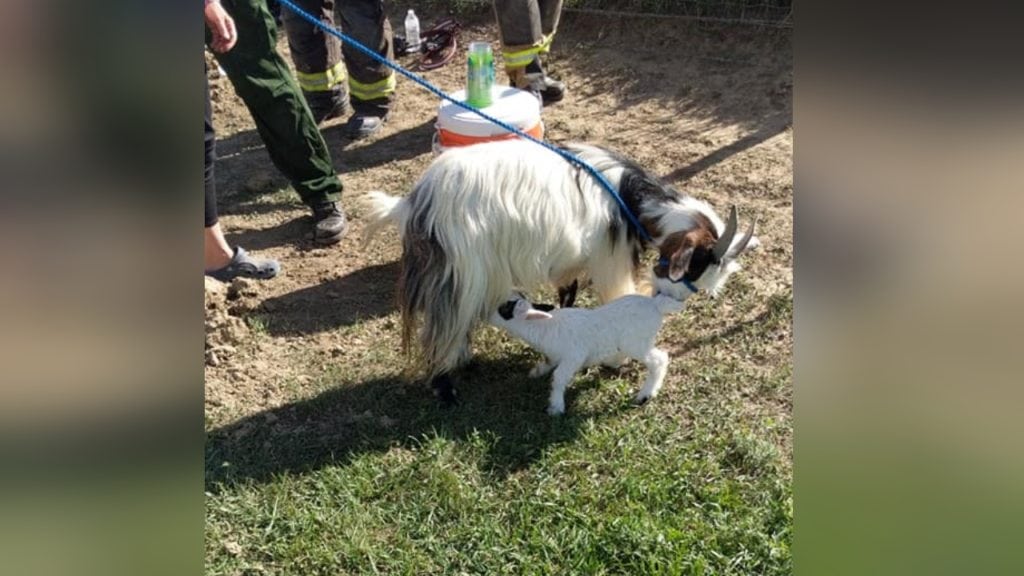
pixel 366 474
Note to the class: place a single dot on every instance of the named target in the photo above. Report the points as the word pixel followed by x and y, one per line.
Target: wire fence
pixel 771 13
pixel 775 13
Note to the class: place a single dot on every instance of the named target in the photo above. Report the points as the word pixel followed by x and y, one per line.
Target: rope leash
pixel 569 157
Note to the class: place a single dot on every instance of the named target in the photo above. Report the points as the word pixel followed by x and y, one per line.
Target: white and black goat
pixel 575 338
pixel 487 219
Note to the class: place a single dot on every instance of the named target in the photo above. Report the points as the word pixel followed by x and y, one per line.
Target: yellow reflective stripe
pixel 371 91
pixel 521 58
pixel 322 81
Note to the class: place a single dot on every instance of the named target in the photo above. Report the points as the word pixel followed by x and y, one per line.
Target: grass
pixel 365 474
pixel 258 324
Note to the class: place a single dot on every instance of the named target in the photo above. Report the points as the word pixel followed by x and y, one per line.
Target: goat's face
pixel 519 308
pixel 701 259
pixel 514 308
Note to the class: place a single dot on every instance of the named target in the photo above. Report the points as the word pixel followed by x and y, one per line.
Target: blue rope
pixel 571 158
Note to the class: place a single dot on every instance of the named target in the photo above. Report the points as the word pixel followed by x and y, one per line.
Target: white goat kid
pixel 575 338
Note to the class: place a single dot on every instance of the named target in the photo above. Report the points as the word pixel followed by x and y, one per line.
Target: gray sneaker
pixel 329 224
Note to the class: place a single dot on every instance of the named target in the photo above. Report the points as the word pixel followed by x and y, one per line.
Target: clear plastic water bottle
pixel 479 74
pixel 412 31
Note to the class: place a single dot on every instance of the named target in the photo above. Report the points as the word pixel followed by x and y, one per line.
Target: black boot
pixel 551 90
pixel 326 105
pixel 329 223
pixel 367 117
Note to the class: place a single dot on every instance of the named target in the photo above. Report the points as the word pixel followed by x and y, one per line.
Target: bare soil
pixel 708 108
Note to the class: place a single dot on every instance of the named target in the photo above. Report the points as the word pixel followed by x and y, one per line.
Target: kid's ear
pixel 543 307
pixel 537 315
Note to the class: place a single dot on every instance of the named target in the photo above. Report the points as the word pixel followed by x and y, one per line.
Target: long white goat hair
pixel 487 219
pixel 460 259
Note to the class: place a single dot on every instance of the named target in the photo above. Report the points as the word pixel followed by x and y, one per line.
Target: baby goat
pixel 574 338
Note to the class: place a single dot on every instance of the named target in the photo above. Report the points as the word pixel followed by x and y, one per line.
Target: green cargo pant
pixel 527 28
pixel 266 85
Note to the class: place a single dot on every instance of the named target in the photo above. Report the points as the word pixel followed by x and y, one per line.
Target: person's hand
pixel 221 26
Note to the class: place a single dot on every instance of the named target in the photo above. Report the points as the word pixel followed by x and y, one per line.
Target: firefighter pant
pixel 527 28
pixel 325 65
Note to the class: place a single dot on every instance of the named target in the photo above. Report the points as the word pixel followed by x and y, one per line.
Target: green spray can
pixel 479 74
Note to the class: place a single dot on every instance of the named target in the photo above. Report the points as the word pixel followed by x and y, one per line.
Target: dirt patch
pixel 708 108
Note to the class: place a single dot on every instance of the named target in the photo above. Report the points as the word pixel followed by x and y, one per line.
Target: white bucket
pixel 459 127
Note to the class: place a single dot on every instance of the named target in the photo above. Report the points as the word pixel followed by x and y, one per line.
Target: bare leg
pixel 216 252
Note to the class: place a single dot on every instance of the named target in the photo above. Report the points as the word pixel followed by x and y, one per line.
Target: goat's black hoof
pixel 444 389
pixel 448 399
pixel 642 401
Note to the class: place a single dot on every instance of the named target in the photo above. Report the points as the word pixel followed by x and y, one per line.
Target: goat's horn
pixel 743 242
pixel 722 246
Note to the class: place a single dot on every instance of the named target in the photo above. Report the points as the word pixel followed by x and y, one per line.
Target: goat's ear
pixel 679 262
pixel 543 307
pixel 537 315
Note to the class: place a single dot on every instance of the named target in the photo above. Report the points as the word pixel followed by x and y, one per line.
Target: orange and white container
pixel 459 127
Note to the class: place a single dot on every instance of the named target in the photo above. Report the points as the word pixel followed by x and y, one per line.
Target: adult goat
pixel 487 219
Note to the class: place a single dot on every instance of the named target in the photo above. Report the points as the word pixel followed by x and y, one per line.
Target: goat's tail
pixel 384 209
pixel 440 295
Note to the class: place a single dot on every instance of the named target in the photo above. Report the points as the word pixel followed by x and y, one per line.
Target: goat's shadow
pixel 363 294
pixel 497 403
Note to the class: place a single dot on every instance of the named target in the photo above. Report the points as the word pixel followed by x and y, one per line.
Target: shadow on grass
pixel 728 74
pixel 365 293
pixel 390 147
pixel 497 401
pixel 246 176
pixel 778 311
pixel 772 127
pixel 242 156
pixel 294 232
